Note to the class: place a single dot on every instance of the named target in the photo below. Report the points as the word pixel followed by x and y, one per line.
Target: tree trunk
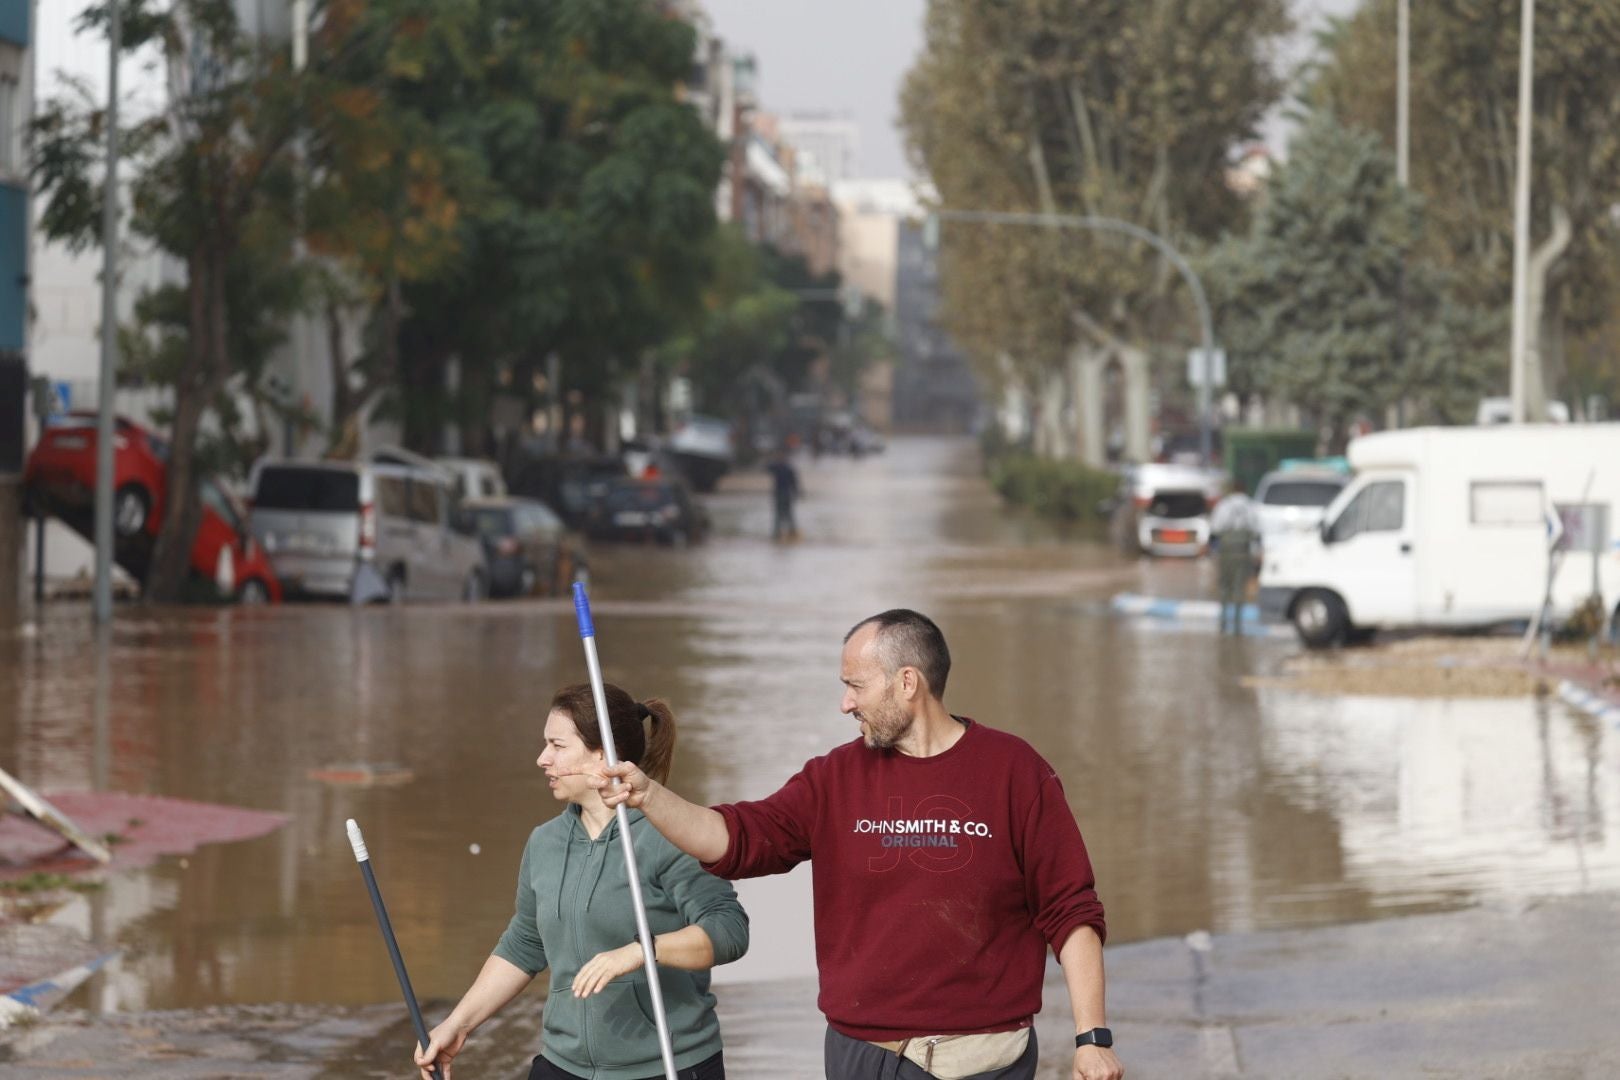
pixel 200 381
pixel 1541 263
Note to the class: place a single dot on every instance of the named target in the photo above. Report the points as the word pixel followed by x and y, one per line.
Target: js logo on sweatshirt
pixel 936 834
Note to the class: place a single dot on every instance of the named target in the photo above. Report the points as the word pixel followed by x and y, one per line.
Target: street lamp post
pixel 1206 328
pixel 1519 379
pixel 101 597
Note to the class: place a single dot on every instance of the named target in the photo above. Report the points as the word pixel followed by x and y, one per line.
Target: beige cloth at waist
pixel 952 1057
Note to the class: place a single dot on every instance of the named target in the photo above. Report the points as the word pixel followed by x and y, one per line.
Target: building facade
pixel 934 385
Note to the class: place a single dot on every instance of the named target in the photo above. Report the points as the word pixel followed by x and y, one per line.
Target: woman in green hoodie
pixel 575 916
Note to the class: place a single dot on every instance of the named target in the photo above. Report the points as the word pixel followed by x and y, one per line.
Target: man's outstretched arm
pixel 697 830
pixel 1082 962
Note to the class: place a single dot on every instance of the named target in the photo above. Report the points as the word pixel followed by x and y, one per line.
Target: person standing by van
pixel 574 915
pixel 1236 528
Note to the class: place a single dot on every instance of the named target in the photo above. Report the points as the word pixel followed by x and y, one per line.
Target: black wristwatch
pixel 1094 1037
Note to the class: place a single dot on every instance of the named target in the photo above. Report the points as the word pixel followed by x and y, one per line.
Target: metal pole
pixel 300 320
pixel 102 596
pixel 587 635
pixel 1403 176
pixel 363 857
pixel 39 559
pixel 1521 217
pixel 1206 326
pixel 1403 94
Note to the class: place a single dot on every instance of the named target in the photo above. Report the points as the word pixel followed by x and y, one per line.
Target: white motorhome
pixel 1451 527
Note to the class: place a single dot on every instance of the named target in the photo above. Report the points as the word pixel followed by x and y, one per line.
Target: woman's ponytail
pixel 660 753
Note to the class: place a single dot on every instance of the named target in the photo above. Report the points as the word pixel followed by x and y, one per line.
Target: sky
pixel 852 55
pixel 842 56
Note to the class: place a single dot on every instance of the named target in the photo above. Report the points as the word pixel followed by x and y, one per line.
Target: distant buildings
pixel 884 253
pixel 832 142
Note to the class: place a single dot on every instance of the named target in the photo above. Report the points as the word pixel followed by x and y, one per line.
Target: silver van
pixel 365 531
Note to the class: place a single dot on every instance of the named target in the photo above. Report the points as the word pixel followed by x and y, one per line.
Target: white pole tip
pixel 357 841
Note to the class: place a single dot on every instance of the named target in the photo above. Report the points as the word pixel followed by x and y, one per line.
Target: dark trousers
pixel 852 1059
pixel 709 1069
pixel 1236 567
pixel 782 523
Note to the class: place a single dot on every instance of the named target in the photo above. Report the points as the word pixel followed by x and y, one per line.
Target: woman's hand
pixel 604 967
pixel 444 1043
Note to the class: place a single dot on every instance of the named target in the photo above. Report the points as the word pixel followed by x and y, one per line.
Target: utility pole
pixel 1403 177
pixel 1521 218
pixel 301 335
pixel 1403 94
pixel 102 595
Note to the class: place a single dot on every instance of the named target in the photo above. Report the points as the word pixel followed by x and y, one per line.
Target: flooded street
pixel 1206 804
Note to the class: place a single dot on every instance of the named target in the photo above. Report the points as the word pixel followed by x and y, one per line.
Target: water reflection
pixel 1206 804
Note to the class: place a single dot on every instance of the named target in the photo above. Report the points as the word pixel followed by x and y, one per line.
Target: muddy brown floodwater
pixel 1207 802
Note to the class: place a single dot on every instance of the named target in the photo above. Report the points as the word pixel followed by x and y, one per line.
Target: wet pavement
pixel 1209 803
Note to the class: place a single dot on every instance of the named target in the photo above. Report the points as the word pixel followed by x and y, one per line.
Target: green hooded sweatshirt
pixel 573 901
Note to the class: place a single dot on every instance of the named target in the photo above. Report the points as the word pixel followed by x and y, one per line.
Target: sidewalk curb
pixel 1595 705
pixel 1193 612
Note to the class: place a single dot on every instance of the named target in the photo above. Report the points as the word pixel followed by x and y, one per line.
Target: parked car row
pixel 1165 510
pixel 397 526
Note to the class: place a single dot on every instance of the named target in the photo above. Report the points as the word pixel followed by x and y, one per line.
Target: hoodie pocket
pixel 622 1028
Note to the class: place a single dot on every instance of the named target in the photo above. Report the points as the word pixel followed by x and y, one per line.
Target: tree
pixel 1465 74
pixel 1309 299
pixel 210 184
pixel 384 188
pixel 1118 108
pixel 594 186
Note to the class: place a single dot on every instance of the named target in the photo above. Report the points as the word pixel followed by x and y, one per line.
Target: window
pixel 391 498
pixel 424 501
pixel 290 487
pixel 215 499
pixel 1379 507
pixel 8 124
pixel 1506 502
pixel 1301 492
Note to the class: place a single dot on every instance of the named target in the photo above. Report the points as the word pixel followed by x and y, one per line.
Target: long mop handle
pixel 587 635
pixel 363 857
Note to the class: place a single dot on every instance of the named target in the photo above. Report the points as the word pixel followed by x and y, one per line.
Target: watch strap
pixel 1095 1037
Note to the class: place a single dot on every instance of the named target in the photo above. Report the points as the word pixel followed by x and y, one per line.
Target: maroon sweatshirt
pixel 939 882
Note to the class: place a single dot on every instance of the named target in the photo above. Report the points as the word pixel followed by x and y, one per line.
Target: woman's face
pixel 564 757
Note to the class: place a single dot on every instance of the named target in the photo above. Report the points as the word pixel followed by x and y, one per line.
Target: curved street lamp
pixel 1159 243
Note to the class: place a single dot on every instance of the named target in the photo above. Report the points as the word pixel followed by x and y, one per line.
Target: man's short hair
pixel 907 638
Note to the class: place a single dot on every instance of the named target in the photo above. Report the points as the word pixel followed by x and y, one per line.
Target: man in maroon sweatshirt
pixel 945 862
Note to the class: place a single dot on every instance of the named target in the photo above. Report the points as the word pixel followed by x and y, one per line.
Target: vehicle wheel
pixel 475 589
pixel 1320 618
pixel 253 592
pixel 679 538
pixel 528 581
pixel 396 586
pixel 131 504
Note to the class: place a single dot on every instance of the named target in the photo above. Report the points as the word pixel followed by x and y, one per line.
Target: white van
pixel 365 531
pixel 1450 527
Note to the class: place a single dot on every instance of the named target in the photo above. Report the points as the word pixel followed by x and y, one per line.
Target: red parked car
pixel 60 479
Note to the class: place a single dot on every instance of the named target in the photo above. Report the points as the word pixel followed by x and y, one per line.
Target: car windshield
pixel 637 496
pixel 492 522
pixel 293 488
pixel 1178 504
pixel 1301 493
